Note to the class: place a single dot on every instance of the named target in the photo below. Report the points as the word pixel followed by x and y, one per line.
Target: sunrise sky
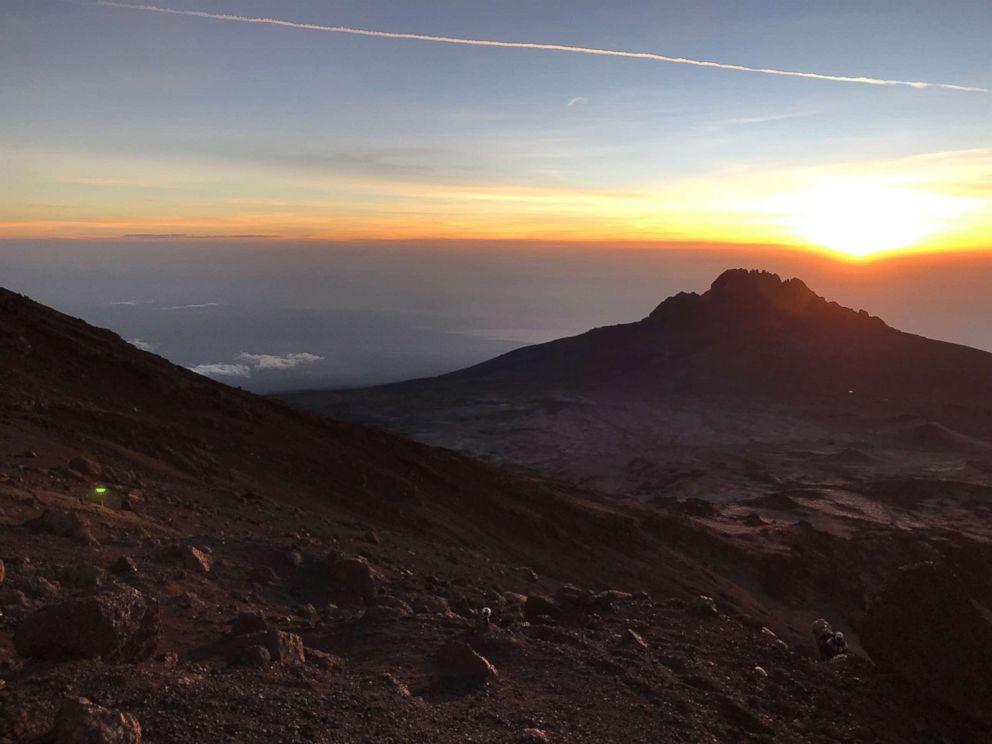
pixel 120 122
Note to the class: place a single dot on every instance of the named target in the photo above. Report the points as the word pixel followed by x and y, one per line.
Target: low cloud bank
pixel 245 364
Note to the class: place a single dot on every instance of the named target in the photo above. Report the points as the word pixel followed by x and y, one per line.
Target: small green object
pixel 101 489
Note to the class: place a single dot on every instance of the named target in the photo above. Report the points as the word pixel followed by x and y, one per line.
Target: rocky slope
pixel 182 561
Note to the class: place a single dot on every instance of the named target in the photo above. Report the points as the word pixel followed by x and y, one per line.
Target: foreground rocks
pixel 120 625
pixel 925 627
pixel 80 721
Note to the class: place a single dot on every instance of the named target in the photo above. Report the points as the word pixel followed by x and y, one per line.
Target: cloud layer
pixel 865 80
pixel 244 364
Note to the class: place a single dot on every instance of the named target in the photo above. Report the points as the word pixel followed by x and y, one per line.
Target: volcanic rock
pixel 925 627
pixel 196 560
pixel 120 625
pixel 429 604
pixel 253 656
pixel 81 722
pixel 125 566
pixel 703 605
pixel 458 663
pixel 284 648
pixel 322 659
pixel 86 467
pixel 354 574
pixel 61 522
pixel 249 622
pixel 538 604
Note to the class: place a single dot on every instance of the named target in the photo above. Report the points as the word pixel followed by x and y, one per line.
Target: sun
pixel 861 218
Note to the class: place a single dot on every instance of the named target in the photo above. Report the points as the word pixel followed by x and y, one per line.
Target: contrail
pixel 530 45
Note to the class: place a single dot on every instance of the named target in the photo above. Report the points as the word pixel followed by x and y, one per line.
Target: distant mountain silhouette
pixel 751 333
pixel 702 396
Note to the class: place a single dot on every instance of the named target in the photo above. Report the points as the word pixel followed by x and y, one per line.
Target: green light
pixel 101 489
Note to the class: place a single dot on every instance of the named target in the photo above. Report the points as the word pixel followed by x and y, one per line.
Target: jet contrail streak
pixel 531 45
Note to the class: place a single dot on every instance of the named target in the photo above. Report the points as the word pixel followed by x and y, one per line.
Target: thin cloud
pixel 222 370
pixel 143 345
pixel 865 80
pixel 190 307
pixel 271 361
pixel 577 101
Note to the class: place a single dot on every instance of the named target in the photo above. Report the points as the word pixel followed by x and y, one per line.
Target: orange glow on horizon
pixel 932 203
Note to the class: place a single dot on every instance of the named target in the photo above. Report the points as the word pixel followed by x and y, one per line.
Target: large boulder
pixel 925 627
pixel 61 522
pixel 353 574
pixel 119 625
pixel 81 722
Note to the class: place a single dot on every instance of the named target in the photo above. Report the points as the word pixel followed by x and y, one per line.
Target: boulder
pixel 430 604
pixel 538 604
pixel 925 627
pixel 125 566
pixel 323 660
pixel 704 606
pixel 253 656
pixel 119 625
pixel 353 574
pixel 282 647
pixel 81 722
pixel 249 622
pixel 458 663
pixel 86 467
pixel 84 575
pixel 62 522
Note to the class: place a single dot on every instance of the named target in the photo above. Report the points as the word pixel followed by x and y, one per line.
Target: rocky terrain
pixel 181 561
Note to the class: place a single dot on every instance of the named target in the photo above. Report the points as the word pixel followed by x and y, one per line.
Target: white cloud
pixel 271 361
pixel 222 370
pixel 143 345
pixel 577 101
pixel 244 364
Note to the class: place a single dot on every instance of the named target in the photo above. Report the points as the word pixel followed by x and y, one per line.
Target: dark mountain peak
pixel 751 285
pixel 745 290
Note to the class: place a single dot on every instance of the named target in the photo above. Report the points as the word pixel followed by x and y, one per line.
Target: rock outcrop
pixel 80 721
pixel 458 663
pixel 119 625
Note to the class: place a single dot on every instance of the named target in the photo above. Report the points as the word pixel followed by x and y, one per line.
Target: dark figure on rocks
pixel 829 644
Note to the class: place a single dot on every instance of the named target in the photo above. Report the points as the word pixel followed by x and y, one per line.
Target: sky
pixel 123 121
pixel 298 193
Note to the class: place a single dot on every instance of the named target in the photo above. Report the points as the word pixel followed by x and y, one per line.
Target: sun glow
pixel 860 218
